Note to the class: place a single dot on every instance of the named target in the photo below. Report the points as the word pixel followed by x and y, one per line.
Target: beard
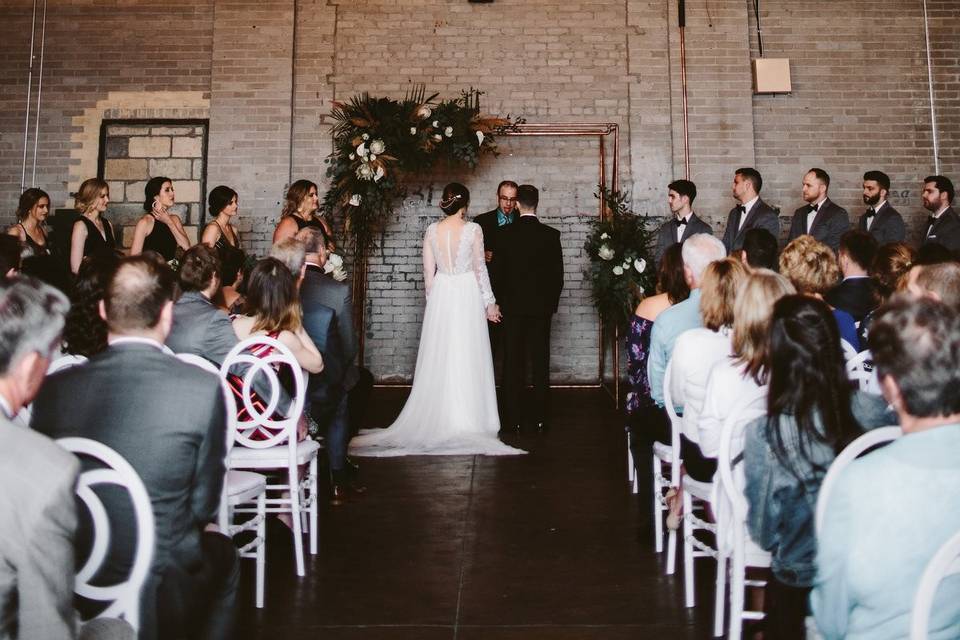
pixel 871 201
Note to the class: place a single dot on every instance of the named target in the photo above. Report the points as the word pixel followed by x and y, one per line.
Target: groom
pixel 530 252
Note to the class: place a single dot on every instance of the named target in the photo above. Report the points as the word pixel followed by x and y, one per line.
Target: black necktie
pixel 871 212
pixel 682 222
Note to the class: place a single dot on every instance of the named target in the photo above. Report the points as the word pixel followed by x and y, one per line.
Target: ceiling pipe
pixel 26 121
pixel 933 109
pixel 682 13
pixel 36 131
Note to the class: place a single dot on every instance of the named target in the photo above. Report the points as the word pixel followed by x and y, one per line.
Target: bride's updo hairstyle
pixel 455 197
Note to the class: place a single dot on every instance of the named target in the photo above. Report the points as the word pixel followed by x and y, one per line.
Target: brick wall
pixel 264 74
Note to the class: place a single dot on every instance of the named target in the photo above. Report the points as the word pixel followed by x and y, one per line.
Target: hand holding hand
pixel 493 313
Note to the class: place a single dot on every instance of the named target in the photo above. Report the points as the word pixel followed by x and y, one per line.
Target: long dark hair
pixel 670 277
pixel 808 380
pixel 85 332
pixel 272 297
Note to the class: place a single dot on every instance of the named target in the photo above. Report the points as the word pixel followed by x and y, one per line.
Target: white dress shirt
pixel 876 210
pixel 680 230
pixel 694 354
pixel 746 211
pixel 812 215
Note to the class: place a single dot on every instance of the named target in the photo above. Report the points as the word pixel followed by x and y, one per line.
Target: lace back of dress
pixel 452 253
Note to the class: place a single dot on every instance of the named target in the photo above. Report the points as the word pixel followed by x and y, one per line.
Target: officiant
pixel 491 222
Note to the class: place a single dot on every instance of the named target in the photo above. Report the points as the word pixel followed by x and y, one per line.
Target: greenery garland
pixel 621 270
pixel 379 143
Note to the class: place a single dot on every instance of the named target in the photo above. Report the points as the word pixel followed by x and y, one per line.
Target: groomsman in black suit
pixel 530 252
pixel 685 223
pixel 821 218
pixel 492 223
pixel 943 225
pixel 880 219
pixel 751 212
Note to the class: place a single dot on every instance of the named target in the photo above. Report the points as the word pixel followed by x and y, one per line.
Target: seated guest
pixel 889 272
pixel 37 511
pixel 229 297
pixel 9 256
pixel 292 253
pixel 166 418
pixel 647 422
pixel 85 333
pixel 698 251
pixel 938 281
pixel 812 268
pixel 786 454
pixel 759 249
pixel 199 327
pixel 734 378
pixel 891 510
pixel 696 351
pixel 856 293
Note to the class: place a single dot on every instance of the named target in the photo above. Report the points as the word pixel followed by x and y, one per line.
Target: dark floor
pixel 543 546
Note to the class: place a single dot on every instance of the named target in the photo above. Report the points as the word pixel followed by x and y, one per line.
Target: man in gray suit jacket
pixel 167 419
pixel 684 223
pixel 880 219
pixel 943 224
pixel 821 218
pixel 751 212
pixel 37 514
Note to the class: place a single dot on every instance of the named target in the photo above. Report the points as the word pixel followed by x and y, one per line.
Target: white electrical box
pixel 771 75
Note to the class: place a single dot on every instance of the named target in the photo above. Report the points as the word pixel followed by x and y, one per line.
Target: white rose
pixel 424 112
pixel 378 176
pixel 605 252
pixel 377 147
pixel 372 157
pixel 626 265
pixel 335 260
pixel 618 270
pixel 437 137
pixel 353 156
pixel 480 137
pixel 604 236
pixel 365 172
pixel 448 132
pixel 362 150
pixel 355 200
pixel 436 124
pixel 640 265
pixel 413 131
pixel 365 136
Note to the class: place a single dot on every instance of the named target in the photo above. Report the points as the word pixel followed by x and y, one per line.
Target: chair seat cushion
pixel 271 457
pixel 702 490
pixel 663 451
pixel 244 484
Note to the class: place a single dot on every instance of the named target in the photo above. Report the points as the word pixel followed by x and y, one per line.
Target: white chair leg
pixel 719 596
pixel 671 552
pixel 657 507
pixel 293 483
pixel 313 506
pixel 688 586
pixel 736 596
pixel 262 547
pixel 631 472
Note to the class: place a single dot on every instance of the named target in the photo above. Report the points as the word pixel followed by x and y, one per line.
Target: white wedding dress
pixel 452 407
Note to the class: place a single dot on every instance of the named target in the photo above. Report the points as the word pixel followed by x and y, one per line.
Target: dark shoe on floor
pixel 338 495
pixel 542 427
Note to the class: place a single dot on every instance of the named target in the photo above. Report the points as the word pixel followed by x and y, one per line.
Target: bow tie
pixel 812 208
pixel 871 212
pixel 931 221
pixel 682 222
pixel 741 209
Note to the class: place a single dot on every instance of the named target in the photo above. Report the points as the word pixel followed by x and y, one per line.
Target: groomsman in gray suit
pixel 684 223
pixel 167 419
pixel 37 514
pixel 880 219
pixel 751 212
pixel 821 218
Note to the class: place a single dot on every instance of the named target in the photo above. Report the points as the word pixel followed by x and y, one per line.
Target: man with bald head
pixel 167 419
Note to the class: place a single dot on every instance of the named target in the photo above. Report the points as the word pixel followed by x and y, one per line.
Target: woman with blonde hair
pixel 300 210
pixel 813 269
pixel 745 371
pixel 92 233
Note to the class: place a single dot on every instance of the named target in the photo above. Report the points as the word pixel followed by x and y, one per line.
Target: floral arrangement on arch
pixel 621 270
pixel 378 143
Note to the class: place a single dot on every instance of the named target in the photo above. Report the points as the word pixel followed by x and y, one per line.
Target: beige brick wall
pixel 265 73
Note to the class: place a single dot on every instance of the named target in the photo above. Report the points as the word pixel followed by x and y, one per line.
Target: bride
pixel 452 408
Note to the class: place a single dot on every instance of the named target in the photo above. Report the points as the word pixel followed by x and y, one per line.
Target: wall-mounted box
pixel 771 75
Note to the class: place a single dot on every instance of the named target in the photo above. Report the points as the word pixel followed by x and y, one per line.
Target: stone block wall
pixel 264 74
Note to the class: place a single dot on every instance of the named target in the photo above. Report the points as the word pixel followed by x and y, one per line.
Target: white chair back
pixel 860 370
pixel 274 431
pixel 124 597
pixel 945 562
pixel 730 473
pixel 65 361
pixel 853 450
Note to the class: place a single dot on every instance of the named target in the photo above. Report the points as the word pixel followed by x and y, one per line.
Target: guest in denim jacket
pixel 787 453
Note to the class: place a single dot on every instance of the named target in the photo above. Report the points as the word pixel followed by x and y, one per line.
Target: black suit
pixel 856 296
pixel 829 224
pixel 887 225
pixel 530 251
pixel 667 233
pixel 760 216
pixel 945 231
pixel 167 419
pixel 490 225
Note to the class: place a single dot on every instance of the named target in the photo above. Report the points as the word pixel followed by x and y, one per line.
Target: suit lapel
pixel 821 215
pixel 751 218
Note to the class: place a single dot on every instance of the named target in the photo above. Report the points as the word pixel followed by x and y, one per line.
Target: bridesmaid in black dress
pixel 299 211
pixel 32 211
pixel 159 230
pixel 219 233
pixel 92 233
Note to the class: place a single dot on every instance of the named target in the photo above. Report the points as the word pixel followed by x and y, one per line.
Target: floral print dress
pixel 638 350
